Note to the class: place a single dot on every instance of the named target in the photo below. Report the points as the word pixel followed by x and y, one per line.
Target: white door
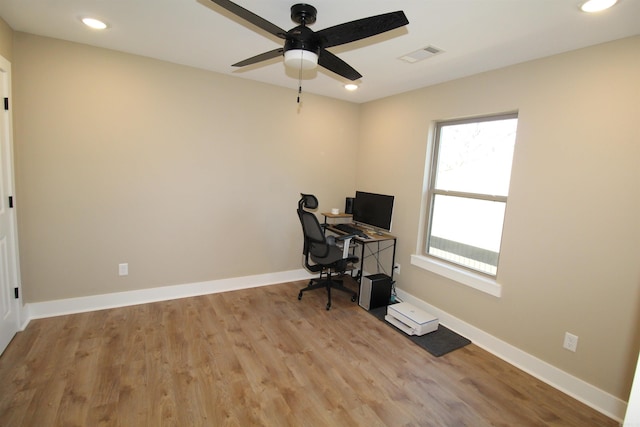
pixel 9 272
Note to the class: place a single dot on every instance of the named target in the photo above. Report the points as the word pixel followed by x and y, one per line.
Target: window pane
pixel 476 157
pixel 467 231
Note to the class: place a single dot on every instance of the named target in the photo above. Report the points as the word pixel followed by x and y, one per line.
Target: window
pixel 470 174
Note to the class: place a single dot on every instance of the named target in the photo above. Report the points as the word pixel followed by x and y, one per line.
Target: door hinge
pixel 6 104
pixel 16 293
pixel 10 201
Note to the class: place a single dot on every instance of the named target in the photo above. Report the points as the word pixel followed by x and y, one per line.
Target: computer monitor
pixel 373 209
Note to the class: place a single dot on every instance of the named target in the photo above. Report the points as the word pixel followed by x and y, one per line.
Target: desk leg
pixel 359 276
pixel 393 260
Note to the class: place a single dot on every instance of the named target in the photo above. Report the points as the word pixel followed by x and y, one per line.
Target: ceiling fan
pixel 305 49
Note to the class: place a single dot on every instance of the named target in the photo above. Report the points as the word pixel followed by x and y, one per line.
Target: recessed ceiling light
pixel 597 5
pixel 96 24
pixel 351 86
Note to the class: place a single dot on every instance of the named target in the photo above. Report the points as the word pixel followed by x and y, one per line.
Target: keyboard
pixel 351 230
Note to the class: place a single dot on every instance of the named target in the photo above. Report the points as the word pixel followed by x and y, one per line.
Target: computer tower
pixel 375 291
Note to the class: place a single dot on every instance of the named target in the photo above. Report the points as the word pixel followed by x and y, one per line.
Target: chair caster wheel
pixel 353 298
pixel 300 296
pixel 328 307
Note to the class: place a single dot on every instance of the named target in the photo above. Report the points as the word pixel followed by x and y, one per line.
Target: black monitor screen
pixel 373 209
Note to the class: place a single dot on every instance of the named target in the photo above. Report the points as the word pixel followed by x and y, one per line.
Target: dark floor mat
pixel 438 343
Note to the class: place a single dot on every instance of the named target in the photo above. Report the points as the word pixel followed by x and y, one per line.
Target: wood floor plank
pixel 260 357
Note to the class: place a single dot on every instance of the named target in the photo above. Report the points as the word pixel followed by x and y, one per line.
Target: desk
pixel 387 241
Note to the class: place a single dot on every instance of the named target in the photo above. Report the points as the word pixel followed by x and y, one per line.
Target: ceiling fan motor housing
pixel 303 38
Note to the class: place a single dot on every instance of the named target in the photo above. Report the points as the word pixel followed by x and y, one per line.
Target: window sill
pixel 465 277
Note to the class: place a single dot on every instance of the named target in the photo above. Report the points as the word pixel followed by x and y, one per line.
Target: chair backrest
pixel 315 241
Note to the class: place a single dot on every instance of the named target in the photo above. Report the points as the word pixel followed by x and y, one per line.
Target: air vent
pixel 420 54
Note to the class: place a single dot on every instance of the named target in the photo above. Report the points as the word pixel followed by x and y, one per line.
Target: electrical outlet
pixel 396 268
pixel 123 269
pixel 570 342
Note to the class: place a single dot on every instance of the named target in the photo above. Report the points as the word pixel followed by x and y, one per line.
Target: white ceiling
pixel 476 36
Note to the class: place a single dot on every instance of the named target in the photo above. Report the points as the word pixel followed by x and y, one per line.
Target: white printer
pixel 411 320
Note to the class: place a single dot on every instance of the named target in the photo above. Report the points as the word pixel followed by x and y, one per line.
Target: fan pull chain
pixel 300 80
pixel 303 22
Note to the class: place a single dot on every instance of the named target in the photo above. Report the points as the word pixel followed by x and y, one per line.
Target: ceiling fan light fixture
pixel 592 6
pixel 300 59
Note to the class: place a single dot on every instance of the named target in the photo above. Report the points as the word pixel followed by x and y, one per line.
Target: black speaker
pixel 348 205
pixel 375 291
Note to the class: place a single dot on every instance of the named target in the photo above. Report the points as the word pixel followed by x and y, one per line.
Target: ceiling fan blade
pixel 332 63
pixel 361 28
pixel 259 58
pixel 251 18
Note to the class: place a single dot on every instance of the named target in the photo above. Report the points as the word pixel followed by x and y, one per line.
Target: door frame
pixel 7 138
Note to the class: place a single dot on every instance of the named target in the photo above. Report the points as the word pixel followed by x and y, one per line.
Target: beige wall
pixel 186 175
pixel 571 249
pixel 126 159
pixel 6 40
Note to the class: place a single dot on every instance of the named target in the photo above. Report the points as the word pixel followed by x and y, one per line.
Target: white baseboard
pixel 61 307
pixel 580 390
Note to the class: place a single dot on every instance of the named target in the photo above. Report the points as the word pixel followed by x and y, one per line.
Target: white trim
pixel 12 235
pixel 586 393
pixel 61 307
pixel 632 417
pixel 465 277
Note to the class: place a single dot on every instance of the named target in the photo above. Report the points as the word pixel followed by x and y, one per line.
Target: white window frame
pixel 467 276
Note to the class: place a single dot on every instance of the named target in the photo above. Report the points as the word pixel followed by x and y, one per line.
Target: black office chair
pixel 321 254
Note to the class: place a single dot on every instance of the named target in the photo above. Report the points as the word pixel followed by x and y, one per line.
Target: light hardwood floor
pixel 260 357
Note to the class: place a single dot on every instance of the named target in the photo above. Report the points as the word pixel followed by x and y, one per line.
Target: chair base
pixel 328 283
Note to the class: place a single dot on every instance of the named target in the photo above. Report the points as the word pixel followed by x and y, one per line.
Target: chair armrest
pixel 347 237
pixel 346 243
